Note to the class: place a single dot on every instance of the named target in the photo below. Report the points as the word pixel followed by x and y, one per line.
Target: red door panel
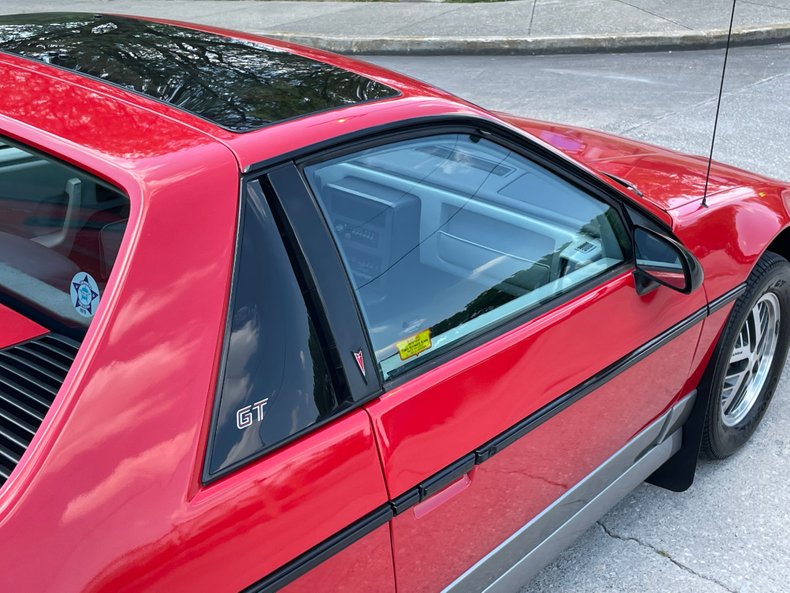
pixel 292 501
pixel 430 422
pixel 228 536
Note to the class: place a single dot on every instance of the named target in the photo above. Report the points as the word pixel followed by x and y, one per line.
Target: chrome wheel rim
pixel 751 359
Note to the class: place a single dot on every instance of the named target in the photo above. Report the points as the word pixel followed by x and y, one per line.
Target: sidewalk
pixel 437 27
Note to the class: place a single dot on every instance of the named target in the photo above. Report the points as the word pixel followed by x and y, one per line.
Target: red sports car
pixel 275 319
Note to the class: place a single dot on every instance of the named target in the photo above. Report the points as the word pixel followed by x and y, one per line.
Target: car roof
pixel 260 97
pixel 236 84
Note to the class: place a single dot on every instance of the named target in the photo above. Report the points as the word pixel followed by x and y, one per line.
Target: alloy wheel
pixel 751 359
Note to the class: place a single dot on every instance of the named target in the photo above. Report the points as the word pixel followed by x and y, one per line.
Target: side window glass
pixel 445 236
pixel 276 381
pixel 60 232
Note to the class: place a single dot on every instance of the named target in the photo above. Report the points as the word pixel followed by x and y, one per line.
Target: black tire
pixel 771 274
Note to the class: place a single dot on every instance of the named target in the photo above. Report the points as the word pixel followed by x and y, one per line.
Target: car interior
pixel 453 233
pixel 55 222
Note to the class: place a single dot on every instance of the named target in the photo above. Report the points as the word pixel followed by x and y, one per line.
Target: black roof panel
pixel 236 84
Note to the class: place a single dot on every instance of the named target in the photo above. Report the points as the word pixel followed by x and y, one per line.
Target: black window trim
pixel 262 172
pixel 206 477
pixel 522 146
pixel 316 253
pixel 516 140
pixel 339 383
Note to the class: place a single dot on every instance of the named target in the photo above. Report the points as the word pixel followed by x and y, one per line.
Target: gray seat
pixel 42 263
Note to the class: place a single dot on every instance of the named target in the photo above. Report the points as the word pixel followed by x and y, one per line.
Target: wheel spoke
pixel 755 328
pixel 741 351
pixel 733 386
pixel 766 332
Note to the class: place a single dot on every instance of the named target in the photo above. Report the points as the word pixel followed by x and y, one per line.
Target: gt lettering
pixel 248 414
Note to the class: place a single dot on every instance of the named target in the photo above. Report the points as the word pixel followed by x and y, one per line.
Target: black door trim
pixel 557 164
pixel 323 551
pixel 516 139
pixel 726 298
pixel 328 282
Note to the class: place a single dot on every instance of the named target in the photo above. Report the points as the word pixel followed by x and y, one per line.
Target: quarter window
pixel 275 382
pixel 446 236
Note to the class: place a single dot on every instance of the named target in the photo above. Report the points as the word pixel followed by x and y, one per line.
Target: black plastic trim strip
pixel 446 476
pixel 327 279
pixel 726 298
pixel 554 159
pixel 405 501
pixel 510 436
pixel 206 477
pixel 317 312
pixel 323 551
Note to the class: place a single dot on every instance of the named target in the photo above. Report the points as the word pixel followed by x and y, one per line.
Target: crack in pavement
pixel 664 554
pixel 664 18
pixel 726 95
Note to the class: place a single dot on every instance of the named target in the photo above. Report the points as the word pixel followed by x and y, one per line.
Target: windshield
pixel 60 230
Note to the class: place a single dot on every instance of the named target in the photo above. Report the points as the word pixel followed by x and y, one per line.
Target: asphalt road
pixel 729 532
pixel 667 98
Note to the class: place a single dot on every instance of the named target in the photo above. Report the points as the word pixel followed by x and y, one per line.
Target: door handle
pixel 444 495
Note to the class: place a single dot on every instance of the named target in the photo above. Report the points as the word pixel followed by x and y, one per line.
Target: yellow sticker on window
pixel 415 344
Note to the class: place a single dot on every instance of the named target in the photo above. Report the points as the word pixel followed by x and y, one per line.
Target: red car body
pixel 110 495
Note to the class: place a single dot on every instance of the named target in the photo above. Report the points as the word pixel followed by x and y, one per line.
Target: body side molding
pixel 323 551
pixel 726 298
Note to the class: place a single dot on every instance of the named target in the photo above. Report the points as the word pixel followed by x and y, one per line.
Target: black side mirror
pixel 661 259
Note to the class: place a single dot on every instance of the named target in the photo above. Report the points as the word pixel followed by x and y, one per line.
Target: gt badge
pixel 248 414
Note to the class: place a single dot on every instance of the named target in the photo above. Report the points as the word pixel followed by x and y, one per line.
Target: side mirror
pixel 661 259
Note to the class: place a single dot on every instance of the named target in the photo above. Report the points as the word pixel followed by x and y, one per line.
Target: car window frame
pixel 521 145
pixel 339 384
pixel 631 213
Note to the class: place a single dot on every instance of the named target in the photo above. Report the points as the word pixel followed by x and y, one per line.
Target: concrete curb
pixel 565 44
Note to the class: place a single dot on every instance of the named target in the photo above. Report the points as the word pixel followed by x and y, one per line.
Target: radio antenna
pixel 718 106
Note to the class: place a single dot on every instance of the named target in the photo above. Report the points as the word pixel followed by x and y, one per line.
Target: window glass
pixel 276 381
pixel 60 231
pixel 238 84
pixel 446 235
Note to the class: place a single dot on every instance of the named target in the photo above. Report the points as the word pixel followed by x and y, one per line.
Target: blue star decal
pixel 85 294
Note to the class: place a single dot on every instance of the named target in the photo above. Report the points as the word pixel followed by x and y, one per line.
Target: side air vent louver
pixel 30 375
